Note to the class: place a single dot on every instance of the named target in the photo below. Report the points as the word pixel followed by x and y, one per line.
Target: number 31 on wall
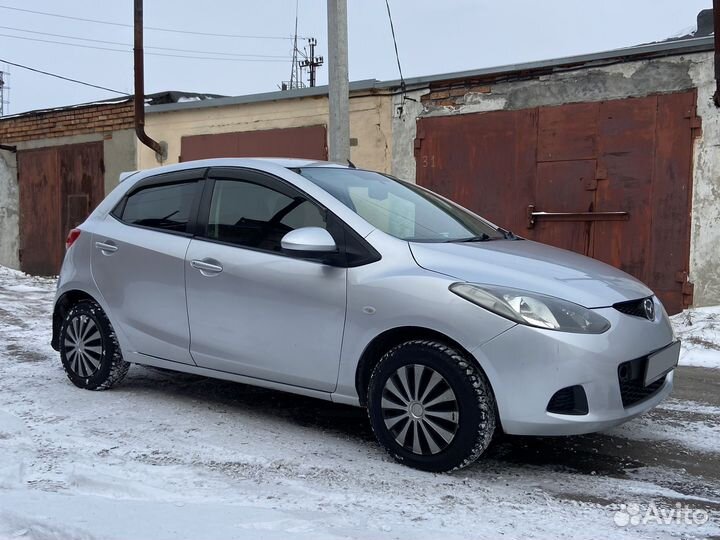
pixel 428 161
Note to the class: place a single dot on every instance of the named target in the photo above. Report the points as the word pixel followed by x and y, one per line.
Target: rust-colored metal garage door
pixel 302 142
pixel 611 180
pixel 59 187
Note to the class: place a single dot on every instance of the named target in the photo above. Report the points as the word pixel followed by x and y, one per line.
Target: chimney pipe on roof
pixel 140 84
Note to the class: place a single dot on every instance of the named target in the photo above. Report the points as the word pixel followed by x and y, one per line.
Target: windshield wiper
pixel 508 235
pixel 480 238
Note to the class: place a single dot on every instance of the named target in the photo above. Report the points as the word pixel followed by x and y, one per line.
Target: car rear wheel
pixel 89 349
pixel 431 407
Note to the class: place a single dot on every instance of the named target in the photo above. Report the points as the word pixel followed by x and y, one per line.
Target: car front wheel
pixel 89 349
pixel 430 406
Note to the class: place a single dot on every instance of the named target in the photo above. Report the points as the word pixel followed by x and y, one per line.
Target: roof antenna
pixel 351 165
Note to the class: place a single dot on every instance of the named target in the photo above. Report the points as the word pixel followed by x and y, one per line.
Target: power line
pixel 401 107
pixel 155 28
pixel 147 53
pixel 63 78
pixel 147 47
pixel 397 56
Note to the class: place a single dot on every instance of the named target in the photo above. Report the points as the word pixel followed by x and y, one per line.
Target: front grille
pixel 634 308
pixel 631 376
pixel 569 400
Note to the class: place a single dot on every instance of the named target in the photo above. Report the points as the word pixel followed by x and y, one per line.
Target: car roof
pixel 288 163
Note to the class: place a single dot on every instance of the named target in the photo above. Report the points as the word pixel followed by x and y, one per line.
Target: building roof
pixel 175 101
pixel 158 98
pixel 489 75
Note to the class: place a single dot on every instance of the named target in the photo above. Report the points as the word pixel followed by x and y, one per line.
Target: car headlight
pixel 533 309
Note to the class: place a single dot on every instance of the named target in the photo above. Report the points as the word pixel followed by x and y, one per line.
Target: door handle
pixel 533 215
pixel 106 247
pixel 206 268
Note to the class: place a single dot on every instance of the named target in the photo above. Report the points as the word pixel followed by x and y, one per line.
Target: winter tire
pixel 89 349
pixel 430 407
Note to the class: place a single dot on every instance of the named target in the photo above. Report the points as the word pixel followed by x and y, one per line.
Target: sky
pixel 433 36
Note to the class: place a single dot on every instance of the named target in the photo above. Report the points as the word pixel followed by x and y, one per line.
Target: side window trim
pixel 336 226
pixel 252 176
pixel 175 177
pixel 260 178
pixel 197 176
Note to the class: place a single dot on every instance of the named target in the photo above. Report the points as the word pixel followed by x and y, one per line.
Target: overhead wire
pixel 89 40
pixel 155 28
pixel 392 30
pixel 403 87
pixel 69 79
pixel 54 42
pixel 217 55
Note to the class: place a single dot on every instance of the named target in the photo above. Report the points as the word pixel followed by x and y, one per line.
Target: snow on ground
pixel 699 330
pixel 688 424
pixel 173 456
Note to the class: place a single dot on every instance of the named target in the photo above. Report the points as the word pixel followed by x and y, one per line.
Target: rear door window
pixel 166 207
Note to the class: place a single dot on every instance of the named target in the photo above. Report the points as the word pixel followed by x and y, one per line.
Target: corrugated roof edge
pixel 653 50
pixel 366 84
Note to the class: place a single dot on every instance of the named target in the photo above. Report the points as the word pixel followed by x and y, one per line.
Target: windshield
pixel 401 209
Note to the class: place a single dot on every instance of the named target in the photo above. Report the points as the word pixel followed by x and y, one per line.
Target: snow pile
pixel 699 330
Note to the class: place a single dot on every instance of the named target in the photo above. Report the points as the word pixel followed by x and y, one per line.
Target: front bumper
pixel 526 366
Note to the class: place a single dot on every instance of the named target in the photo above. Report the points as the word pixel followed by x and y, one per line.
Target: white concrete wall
pixel 120 156
pixel 705 239
pixel 406 110
pixel 9 210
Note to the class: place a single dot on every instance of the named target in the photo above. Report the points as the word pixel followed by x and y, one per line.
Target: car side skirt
pixel 145 360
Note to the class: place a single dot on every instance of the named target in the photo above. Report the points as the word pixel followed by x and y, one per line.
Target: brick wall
pixel 80 120
pixel 451 96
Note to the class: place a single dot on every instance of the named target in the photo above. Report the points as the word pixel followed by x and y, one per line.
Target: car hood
pixel 523 264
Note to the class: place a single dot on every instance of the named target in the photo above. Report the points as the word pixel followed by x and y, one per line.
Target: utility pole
pixel 716 21
pixel 312 62
pixel 339 86
pixel 3 90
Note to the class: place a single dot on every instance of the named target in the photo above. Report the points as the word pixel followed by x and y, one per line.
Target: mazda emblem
pixel 649 307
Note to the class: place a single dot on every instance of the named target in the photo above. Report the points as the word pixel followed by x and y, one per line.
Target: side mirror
pixel 308 241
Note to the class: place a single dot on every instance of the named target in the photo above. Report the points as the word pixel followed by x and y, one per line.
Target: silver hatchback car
pixel 352 286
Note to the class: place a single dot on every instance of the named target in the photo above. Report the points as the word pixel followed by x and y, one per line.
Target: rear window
pixel 165 207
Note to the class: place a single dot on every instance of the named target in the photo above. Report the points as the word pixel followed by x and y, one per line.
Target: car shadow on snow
pixel 222 395
pixel 594 455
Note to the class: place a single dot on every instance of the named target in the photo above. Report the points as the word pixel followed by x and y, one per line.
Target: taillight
pixel 73 235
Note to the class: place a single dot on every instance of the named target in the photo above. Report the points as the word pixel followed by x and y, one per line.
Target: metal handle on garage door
pixel 533 215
